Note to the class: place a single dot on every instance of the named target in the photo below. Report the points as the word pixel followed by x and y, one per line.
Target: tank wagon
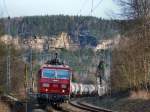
pixel 79 89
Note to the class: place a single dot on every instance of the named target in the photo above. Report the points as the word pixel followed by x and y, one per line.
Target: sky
pixel 16 8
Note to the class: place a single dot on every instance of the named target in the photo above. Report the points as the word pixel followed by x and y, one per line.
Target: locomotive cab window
pixel 52 73
pixel 63 74
pixel 48 73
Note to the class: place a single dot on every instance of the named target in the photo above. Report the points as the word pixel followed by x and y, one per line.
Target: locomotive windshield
pixel 63 74
pixel 59 73
pixel 48 73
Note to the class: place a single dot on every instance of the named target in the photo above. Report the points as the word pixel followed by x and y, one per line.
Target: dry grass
pixel 4 107
pixel 140 95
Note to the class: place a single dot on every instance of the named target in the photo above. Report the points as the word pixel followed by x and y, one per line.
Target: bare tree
pixel 135 9
pixel 132 60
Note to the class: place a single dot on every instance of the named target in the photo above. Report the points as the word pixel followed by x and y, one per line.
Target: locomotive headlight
pixel 45 85
pixel 63 91
pixel 46 90
pixel 64 86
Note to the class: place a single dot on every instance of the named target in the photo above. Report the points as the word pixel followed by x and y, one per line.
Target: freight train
pixel 55 84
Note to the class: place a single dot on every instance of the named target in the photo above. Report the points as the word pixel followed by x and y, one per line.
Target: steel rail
pixel 85 106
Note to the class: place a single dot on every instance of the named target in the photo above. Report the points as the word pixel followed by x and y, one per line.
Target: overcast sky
pixel 15 8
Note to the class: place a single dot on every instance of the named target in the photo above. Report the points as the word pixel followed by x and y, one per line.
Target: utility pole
pixel 109 68
pixel 8 60
pixel 92 7
pixel 31 75
pixel 31 62
pixel 8 69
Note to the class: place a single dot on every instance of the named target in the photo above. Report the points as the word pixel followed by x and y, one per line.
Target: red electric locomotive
pixel 54 82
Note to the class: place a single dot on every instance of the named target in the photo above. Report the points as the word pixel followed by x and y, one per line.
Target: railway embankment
pixel 122 103
pixel 9 103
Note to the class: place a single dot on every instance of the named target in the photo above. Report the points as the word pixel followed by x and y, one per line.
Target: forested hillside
pixel 53 25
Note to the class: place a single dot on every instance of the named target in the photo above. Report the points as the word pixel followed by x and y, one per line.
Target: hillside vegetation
pixel 54 25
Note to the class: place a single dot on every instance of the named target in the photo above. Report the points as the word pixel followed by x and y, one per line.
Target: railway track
pixel 76 105
pixel 73 106
pixel 85 106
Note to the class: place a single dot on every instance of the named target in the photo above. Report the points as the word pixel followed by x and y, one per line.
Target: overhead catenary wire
pixel 93 8
pixel 90 14
pixel 79 25
pixel 97 5
pixel 6 8
pixel 82 7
